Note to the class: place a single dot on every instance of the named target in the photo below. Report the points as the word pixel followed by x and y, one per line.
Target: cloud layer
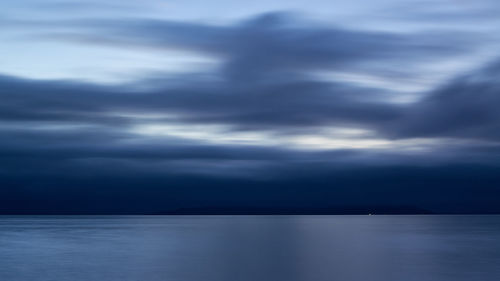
pixel 274 118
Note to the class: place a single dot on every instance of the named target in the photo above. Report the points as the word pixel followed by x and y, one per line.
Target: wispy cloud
pixel 285 101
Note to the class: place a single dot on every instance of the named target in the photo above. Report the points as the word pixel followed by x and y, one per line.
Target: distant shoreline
pixel 255 211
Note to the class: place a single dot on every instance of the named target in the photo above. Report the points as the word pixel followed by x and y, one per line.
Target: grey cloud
pixel 68 145
pixel 465 107
pixel 262 84
pixel 261 87
pixel 292 103
pixel 274 42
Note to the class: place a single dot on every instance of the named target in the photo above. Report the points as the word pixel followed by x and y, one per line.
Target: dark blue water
pixel 232 248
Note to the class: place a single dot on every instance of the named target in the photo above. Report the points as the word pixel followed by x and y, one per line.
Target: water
pixel 233 248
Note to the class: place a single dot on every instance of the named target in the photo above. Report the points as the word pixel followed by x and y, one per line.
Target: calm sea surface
pixel 256 248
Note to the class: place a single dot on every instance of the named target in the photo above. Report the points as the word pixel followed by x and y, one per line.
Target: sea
pixel 250 248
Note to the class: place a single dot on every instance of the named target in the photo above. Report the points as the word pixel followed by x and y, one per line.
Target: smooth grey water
pixel 233 248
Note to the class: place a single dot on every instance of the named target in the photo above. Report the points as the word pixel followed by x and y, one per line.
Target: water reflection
pixel 250 248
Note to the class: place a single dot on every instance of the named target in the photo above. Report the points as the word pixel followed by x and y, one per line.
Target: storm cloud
pixel 290 109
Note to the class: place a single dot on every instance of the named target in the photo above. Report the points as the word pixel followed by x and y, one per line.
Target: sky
pixel 147 106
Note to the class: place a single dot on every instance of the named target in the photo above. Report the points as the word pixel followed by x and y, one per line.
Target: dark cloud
pixel 295 103
pixel 273 42
pixel 456 188
pixel 68 145
pixel 465 107
pixel 265 79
